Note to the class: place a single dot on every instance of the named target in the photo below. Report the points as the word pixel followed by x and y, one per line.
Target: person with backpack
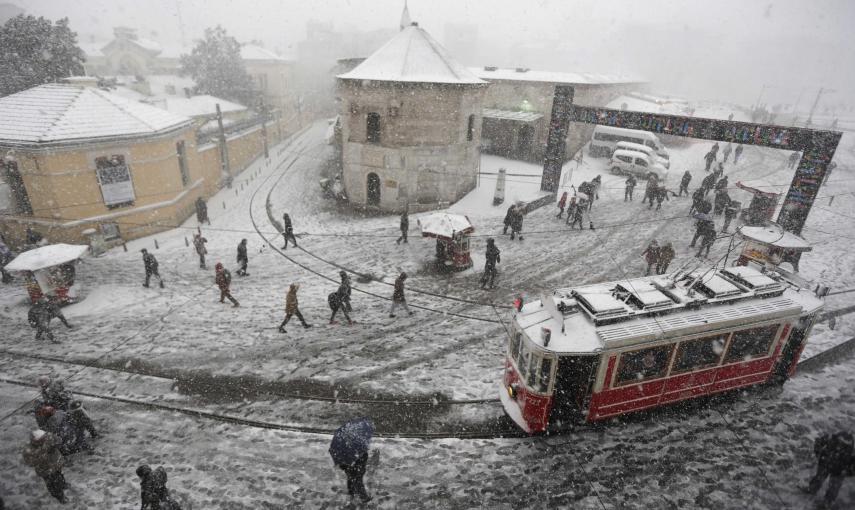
pixel 288 231
pixel 199 245
pixel 493 257
pixel 684 183
pixel 223 278
pixel 398 298
pixel 150 265
pixel 292 308
pixel 630 187
pixel 835 459
pixel 405 227
pixel 242 258
pixel 40 315
pixel 561 203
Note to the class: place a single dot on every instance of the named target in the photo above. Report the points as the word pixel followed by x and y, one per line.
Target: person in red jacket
pixel 224 280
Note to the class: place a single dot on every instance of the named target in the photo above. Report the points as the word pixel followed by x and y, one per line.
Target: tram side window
pixel 751 343
pixel 699 353
pixel 533 364
pixel 643 364
pixel 542 382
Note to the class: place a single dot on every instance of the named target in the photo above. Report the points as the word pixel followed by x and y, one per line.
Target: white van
pixel 629 146
pixel 605 138
pixel 635 163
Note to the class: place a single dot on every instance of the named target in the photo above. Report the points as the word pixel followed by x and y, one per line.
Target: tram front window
pixel 542 382
pixel 516 342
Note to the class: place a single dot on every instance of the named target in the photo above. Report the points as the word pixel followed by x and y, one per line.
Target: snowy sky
pixel 723 49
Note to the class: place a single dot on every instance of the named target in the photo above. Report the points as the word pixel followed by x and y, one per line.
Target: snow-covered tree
pixel 218 69
pixel 34 51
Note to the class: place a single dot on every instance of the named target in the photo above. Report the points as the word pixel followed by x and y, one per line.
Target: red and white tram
pixel 594 352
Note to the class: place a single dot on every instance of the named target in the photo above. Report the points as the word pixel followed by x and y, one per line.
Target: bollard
pixel 224 204
pixel 186 242
pixel 241 186
pixel 156 247
pixel 830 200
pixel 236 191
pixel 125 246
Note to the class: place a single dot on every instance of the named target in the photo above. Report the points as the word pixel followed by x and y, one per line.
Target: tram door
pixel 574 379
pixel 786 364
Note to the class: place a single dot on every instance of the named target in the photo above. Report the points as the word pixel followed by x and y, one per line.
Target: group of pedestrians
pixel 658 257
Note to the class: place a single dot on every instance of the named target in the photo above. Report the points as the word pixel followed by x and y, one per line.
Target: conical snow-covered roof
pixel 412 56
pixel 60 114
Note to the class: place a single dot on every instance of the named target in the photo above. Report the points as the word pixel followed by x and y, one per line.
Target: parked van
pixel 629 146
pixel 635 163
pixel 605 138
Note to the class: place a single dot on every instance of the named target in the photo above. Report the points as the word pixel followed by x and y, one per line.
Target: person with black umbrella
pixel 349 452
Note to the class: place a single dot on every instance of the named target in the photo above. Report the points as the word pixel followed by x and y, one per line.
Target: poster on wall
pixel 114 176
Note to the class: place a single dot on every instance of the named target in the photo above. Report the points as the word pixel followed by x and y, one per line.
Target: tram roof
pixel 623 313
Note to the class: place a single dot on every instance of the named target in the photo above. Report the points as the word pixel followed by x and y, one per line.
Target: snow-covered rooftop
pixel 198 106
pixel 499 73
pixel 46 256
pixel 412 56
pixel 444 224
pixel 254 52
pixel 774 235
pixel 64 113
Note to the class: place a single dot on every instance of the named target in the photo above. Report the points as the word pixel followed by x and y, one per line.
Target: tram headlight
pixel 512 391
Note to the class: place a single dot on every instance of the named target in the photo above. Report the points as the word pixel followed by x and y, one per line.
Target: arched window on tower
pixel 372 128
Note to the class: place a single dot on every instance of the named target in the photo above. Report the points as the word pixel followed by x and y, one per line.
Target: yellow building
pixel 75 158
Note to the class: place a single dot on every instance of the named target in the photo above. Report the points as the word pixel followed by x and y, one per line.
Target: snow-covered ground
pixel 442 348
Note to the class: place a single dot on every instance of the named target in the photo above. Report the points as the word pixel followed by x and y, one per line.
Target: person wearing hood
pixel 651 255
pixel 223 278
pixel 398 298
pixel 292 308
pixel 44 456
pixel 492 257
pixel 242 258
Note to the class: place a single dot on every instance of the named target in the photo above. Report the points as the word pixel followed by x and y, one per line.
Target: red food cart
pixel 769 244
pixel 49 271
pixel 451 232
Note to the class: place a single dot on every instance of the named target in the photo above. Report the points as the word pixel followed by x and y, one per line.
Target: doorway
pixel 373 189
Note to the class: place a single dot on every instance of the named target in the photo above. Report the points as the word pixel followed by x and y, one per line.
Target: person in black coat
pixel 405 227
pixel 517 223
pixel 684 183
pixel 509 218
pixel 697 199
pixel 708 183
pixel 288 231
pixel 493 257
pixel 340 299
pixel 242 258
pixel 630 183
pixel 355 472
pixel 202 211
pixel 737 153
pixel 707 230
pixel 834 460
pixel 150 265
pixel 40 315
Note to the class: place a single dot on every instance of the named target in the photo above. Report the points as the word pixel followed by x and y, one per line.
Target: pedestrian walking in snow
pixel 150 265
pixel 630 184
pixel 709 182
pixel 697 200
pixel 835 459
pixel 40 315
pixel 666 255
pixel 737 154
pixel 726 152
pixel 720 202
pixel 202 211
pixel 405 227
pixel 700 226
pixel 493 257
pixel 81 421
pixel 794 158
pixel 355 473
pixel 714 148
pixel 517 223
pixel 596 184
pixel 650 189
pixel 684 183
pixel 43 455
pixel 60 424
pixel 709 158
pixel 730 212
pixel 223 278
pixel 199 244
pixel 561 203
pixel 707 238
pixel 292 308
pixel 590 189
pixel 242 258
pixel 578 210
pixel 288 231
pixel 651 255
pixel 721 184
pixel 344 290
pixel 398 298
pixel 509 218
pixel 153 492
pixel 661 195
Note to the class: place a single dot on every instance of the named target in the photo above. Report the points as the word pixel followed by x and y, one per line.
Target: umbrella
pixel 351 441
